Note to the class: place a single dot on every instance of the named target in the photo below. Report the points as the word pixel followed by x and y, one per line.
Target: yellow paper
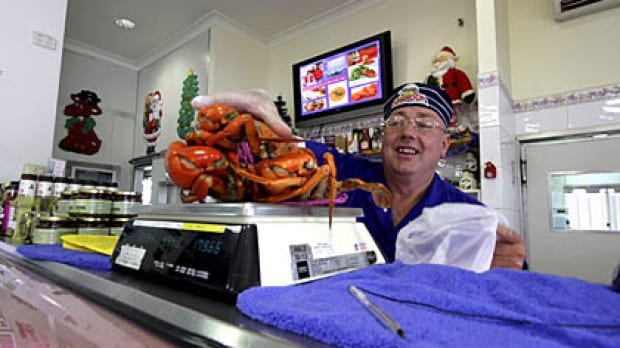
pixel 90 242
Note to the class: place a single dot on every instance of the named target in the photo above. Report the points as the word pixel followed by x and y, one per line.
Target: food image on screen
pixel 314 105
pixel 318 92
pixel 362 71
pixel 364 92
pixel 364 55
pixel 337 93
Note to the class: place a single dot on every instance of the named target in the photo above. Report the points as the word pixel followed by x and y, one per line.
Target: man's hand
pixel 509 249
pixel 256 102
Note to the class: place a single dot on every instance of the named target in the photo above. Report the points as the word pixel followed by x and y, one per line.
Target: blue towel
pixel 55 252
pixel 441 306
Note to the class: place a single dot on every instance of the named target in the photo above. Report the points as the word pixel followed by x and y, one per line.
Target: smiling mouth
pixel 407 151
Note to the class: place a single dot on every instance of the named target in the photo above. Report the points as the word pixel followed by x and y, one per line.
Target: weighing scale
pixel 228 247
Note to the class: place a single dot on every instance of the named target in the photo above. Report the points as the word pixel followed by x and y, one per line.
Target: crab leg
pixel 329 160
pixel 380 194
pixel 309 184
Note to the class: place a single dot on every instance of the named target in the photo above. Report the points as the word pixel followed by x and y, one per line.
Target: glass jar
pixel 113 187
pixel 100 185
pixel 468 181
pixel 9 202
pixel 117 225
pixel 93 225
pixel 25 206
pixel 60 184
pixel 124 201
pixel 49 229
pixel 74 185
pixel 64 203
pixel 44 198
pixel 88 184
pixel 91 202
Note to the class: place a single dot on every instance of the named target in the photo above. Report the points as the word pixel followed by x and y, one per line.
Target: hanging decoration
pixel 151 121
pixel 186 112
pixel 81 137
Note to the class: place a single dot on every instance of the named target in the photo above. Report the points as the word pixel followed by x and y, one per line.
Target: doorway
pixel 571 204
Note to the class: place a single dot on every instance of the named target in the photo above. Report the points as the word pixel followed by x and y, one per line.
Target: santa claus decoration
pixel 151 122
pixel 454 81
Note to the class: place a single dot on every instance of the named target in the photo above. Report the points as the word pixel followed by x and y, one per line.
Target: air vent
pixel 567 9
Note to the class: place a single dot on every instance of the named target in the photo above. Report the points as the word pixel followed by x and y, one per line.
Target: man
pixel 415 139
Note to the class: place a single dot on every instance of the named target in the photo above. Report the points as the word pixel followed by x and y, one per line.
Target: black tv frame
pixel 347 112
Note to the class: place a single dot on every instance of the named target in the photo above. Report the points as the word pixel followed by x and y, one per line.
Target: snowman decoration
pixel 152 119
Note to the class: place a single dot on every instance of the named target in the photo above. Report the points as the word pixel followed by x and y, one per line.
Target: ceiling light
pixel 125 23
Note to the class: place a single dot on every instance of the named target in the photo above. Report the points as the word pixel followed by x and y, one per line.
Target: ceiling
pixel 90 23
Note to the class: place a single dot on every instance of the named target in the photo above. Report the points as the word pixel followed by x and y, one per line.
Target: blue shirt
pixel 378 221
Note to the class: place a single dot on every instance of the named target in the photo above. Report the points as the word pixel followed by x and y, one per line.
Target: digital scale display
pixel 218 256
pixel 229 247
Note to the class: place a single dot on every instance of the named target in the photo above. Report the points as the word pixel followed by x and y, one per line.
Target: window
pixel 585 201
pixel 92 171
pixel 143 182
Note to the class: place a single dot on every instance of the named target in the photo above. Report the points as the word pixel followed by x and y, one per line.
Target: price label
pixel 130 256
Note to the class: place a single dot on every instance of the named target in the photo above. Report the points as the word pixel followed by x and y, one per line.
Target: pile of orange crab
pixel 234 157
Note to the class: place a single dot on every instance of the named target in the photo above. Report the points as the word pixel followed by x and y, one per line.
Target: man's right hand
pixel 509 249
pixel 257 102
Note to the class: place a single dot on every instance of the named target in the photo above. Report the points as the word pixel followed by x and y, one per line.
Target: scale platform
pixel 229 247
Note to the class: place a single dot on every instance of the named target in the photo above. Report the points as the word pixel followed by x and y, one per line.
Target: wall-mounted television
pixel 343 83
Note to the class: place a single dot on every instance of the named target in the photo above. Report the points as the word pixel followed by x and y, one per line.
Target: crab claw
pixel 200 189
pixel 380 194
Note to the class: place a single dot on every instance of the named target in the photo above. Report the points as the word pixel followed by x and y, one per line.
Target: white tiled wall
pixel 497 145
pixel 541 121
pixel 502 121
pixel 581 109
pixel 597 113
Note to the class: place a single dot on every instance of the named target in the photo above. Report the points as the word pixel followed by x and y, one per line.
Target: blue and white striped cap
pixel 420 94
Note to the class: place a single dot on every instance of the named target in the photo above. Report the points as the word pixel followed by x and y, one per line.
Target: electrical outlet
pixel 43 40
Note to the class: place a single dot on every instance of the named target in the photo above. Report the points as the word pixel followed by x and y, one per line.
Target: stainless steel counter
pixel 183 316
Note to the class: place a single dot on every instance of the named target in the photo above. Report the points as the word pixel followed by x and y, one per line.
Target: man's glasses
pixel 422 124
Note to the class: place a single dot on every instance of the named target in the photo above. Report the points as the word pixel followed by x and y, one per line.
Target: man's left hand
pixel 509 249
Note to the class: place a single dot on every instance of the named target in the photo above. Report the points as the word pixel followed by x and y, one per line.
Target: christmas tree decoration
pixel 81 137
pixel 186 112
pixel 151 122
pixel 283 110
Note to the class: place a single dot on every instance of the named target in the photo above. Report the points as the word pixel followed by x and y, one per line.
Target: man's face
pixel 414 150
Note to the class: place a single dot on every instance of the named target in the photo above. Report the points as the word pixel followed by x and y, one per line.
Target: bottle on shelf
pixel 364 141
pixel 353 145
pixel 376 140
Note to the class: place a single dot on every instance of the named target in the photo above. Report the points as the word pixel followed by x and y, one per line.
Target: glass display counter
pixel 55 305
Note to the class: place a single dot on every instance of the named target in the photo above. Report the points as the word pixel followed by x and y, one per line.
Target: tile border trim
pixel 553 101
